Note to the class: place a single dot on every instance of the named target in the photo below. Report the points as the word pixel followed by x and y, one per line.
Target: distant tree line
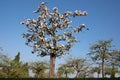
pixel 105 61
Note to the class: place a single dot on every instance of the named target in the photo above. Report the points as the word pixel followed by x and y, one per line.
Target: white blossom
pixel 61 16
pixel 85 13
pixel 55 24
pixel 45 9
pixel 22 23
pixel 27 23
pixel 34 21
pixel 82 25
pixel 50 15
pixel 42 3
pixel 77 12
pixel 68 13
pixel 52 47
pixel 42 39
pixel 30 30
pixel 36 46
pixel 61 45
pixel 55 9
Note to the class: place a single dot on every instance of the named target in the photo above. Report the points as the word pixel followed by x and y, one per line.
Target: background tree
pixel 99 52
pixel 39 68
pixel 110 71
pixel 52 33
pixel 18 68
pixel 96 69
pixel 113 63
pixel 4 69
pixel 80 66
pixel 13 68
pixel 65 69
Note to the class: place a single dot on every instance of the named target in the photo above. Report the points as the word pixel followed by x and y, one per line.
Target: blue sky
pixel 103 20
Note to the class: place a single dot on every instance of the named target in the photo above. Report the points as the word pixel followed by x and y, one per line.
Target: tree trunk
pixel 52 65
pixel 77 75
pixel 52 58
pixel 66 74
pixel 98 75
pixel 37 75
pixel 85 75
pixel 99 71
pixel 103 68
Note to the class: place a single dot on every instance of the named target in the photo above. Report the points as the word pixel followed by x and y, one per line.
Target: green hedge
pixel 59 78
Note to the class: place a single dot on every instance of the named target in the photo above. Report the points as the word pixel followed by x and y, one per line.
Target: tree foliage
pixel 64 70
pixel 47 33
pixel 39 68
pixel 113 63
pixel 13 68
pixel 81 66
pixel 96 69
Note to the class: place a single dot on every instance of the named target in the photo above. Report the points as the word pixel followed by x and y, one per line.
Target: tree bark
pixel 103 68
pixel 98 75
pixel 99 71
pixel 66 74
pixel 52 65
pixel 77 75
pixel 52 58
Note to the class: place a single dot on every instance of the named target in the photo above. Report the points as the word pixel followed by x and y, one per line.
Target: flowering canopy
pixel 51 32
